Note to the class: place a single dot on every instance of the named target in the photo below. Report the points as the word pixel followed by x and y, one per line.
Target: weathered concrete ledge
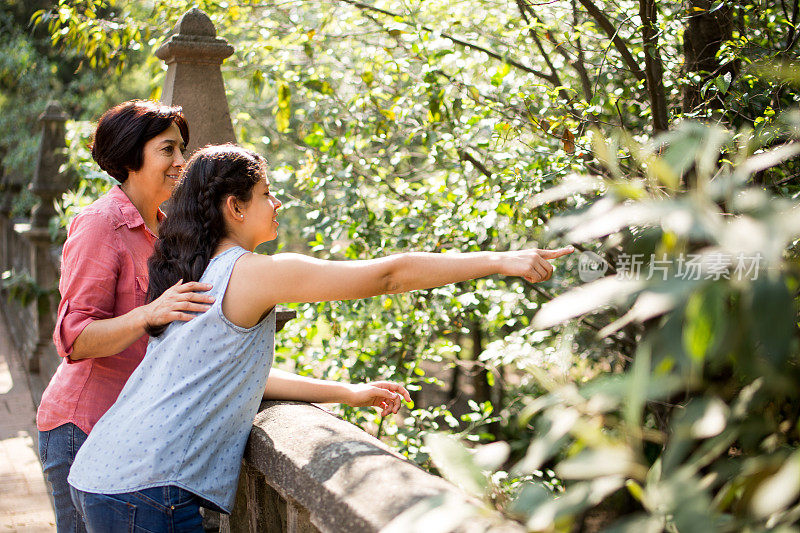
pixel 305 470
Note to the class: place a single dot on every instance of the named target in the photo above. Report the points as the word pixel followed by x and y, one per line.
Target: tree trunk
pixel 654 70
pixel 705 31
pixel 483 391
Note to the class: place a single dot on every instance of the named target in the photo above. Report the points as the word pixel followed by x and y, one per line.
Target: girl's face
pixel 162 164
pixel 260 216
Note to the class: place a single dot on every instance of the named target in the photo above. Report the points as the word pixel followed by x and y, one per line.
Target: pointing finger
pixel 554 254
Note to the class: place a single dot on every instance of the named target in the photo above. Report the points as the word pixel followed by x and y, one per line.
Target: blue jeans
pixel 168 509
pixel 57 449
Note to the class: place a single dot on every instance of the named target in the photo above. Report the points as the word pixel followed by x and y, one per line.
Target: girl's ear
pixel 232 208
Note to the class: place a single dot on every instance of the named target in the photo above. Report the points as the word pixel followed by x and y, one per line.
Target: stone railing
pixel 304 470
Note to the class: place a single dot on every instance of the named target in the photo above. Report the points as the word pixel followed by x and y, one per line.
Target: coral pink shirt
pixel 103 275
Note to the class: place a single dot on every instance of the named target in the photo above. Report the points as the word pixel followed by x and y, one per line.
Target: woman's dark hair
pixel 194 227
pixel 122 131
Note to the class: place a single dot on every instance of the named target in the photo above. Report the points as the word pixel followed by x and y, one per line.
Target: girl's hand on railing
pixel 385 395
pixel 532 265
pixel 177 302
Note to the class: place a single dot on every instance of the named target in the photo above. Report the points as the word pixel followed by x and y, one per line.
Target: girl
pixel 100 332
pixel 174 439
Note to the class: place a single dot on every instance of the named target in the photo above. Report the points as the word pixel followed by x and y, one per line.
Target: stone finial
pixel 195 22
pixel 53 112
pixel 48 180
pixel 193 54
pixel 194 38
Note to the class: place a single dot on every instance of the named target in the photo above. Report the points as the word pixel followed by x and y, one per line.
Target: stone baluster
pixel 49 183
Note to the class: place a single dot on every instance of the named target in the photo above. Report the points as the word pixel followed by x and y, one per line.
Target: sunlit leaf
pixel 640 523
pixel 561 422
pixel 585 299
pixel 573 501
pixel 440 513
pixel 456 463
pixel 705 322
pixel 491 456
pixel 598 463
pixel 531 497
pixel 569 186
pixel 779 490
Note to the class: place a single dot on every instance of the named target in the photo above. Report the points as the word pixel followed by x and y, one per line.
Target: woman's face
pixel 162 164
pixel 261 213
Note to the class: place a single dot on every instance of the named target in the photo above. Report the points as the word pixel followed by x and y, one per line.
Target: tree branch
pixel 464 155
pixel 791 38
pixel 521 6
pixel 580 63
pixel 458 41
pixel 613 33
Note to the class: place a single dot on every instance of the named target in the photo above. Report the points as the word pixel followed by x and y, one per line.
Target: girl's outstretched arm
pixel 283 385
pixel 264 281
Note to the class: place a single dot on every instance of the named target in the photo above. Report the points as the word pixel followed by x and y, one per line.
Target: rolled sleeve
pixel 90 268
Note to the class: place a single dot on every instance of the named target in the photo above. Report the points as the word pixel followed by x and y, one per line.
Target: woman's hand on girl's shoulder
pixel 385 395
pixel 178 303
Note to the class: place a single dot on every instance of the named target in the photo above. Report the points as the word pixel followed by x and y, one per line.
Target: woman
pixel 100 330
pixel 175 437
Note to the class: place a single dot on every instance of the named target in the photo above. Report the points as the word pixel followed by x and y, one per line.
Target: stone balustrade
pixel 304 471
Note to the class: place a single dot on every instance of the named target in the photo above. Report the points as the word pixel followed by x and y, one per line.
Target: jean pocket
pixel 104 512
pixel 152 497
pixel 182 497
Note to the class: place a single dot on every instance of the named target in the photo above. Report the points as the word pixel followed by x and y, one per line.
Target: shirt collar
pixel 130 215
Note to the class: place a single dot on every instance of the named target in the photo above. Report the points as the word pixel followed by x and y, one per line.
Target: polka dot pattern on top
pixel 184 415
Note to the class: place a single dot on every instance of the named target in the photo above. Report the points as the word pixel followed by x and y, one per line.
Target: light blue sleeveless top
pixel 184 415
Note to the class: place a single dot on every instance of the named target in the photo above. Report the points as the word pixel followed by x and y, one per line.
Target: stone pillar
pixel 193 54
pixel 48 184
pixel 10 187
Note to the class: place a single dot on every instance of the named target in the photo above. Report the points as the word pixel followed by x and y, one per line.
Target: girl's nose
pixel 179 160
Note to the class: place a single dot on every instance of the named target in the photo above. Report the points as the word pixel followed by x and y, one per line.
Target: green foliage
pixel 32 73
pixel 702 428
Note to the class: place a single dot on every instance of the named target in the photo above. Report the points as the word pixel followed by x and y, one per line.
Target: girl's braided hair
pixel 195 226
